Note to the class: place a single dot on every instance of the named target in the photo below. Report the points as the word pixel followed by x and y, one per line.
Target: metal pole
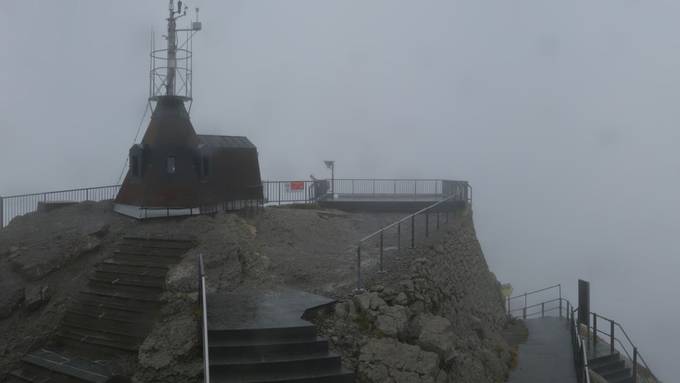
pixel 413 231
pixel 359 268
pixel 374 187
pixel 382 269
pixel 279 193
pixel 594 330
pixel 635 364
pixel 542 309
pixel 399 236
pixel 2 212
pixel 427 224
pixel 612 338
pixel 508 305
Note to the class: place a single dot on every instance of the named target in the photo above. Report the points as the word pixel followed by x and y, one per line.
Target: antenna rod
pixel 172 51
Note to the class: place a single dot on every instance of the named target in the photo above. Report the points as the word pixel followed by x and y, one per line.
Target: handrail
pixel 381 232
pixel 204 319
pixel 614 339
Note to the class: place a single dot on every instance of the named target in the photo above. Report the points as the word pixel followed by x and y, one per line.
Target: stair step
pixel 30 375
pixel 128 280
pixel 604 368
pixel 99 313
pixel 125 292
pixel 302 376
pixel 604 359
pixel 75 368
pixel 620 373
pixel 272 335
pixel 135 329
pixel 132 270
pixel 280 365
pixel 139 262
pixel 120 342
pixel 249 350
pixel 628 379
pixel 150 251
pixel 88 299
pixel 167 243
pixel 145 260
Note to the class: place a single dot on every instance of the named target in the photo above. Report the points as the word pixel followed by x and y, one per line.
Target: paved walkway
pixel 546 356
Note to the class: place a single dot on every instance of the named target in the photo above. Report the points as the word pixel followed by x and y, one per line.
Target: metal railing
pixel 204 319
pixel 437 210
pixel 274 192
pixel 565 310
pixel 641 371
pixel 639 367
pixel 16 205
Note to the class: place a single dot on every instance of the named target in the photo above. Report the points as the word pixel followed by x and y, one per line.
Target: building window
pixel 171 168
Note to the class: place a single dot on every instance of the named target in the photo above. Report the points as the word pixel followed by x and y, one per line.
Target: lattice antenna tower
pixel 171 66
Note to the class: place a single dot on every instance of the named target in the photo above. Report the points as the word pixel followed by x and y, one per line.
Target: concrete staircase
pixel 110 318
pixel 612 367
pixel 276 354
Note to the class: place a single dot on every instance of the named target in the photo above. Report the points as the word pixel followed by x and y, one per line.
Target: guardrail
pixel 204 319
pixel 565 310
pixel 274 192
pixel 436 210
pixel 641 371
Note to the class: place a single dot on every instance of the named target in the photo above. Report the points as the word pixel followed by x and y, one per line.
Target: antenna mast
pixel 171 68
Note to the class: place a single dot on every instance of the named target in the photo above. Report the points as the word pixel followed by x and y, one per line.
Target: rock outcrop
pixel 437 316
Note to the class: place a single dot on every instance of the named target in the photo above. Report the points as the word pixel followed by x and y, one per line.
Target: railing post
pixel 524 313
pixel 508 305
pixel 413 231
pixel 427 224
pixel 2 212
pixel 280 193
pixel 437 219
pixel 359 284
pixel 594 330
pixel 560 309
pixel 352 185
pixel 635 364
pixel 415 190
pixel 382 269
pixel 374 187
pixel 612 338
pixel 399 236
pixel 394 187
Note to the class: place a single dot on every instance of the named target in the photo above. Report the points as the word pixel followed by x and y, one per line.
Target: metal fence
pixel 539 303
pixel 16 205
pixel 432 218
pixel 203 325
pixel 274 192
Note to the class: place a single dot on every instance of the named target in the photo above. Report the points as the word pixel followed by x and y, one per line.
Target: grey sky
pixel 562 114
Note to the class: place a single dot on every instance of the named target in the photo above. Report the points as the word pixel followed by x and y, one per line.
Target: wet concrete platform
pixel 266 309
pixel 546 356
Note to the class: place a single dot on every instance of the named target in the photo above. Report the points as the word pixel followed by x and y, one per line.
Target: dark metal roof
pixel 233 142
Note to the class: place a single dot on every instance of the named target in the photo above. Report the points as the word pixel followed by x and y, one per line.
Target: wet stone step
pixel 100 339
pixel 144 260
pixel 94 299
pixel 120 291
pixel 126 280
pixel 158 243
pixel 272 334
pixel 137 329
pixel 95 312
pixel 249 350
pixel 280 365
pixel 123 269
pixel 160 252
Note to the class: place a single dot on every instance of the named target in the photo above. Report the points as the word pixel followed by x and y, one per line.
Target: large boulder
pixel 392 320
pixel 388 361
pixel 12 295
pixel 435 334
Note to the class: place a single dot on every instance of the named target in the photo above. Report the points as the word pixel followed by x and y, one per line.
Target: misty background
pixel 563 115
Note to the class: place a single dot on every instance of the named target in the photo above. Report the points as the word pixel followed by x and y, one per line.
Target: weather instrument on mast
pixel 171 67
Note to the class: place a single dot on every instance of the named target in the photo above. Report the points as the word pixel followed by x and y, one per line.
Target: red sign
pixel 297 185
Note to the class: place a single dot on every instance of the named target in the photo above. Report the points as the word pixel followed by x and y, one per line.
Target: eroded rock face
pixel 11 297
pixel 171 353
pixel 438 319
pixel 388 360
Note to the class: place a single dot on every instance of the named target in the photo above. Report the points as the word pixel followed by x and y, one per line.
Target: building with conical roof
pixel 175 171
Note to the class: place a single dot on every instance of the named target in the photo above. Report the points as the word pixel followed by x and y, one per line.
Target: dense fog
pixel 562 114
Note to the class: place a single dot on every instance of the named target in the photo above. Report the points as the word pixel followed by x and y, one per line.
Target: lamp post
pixel 331 165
